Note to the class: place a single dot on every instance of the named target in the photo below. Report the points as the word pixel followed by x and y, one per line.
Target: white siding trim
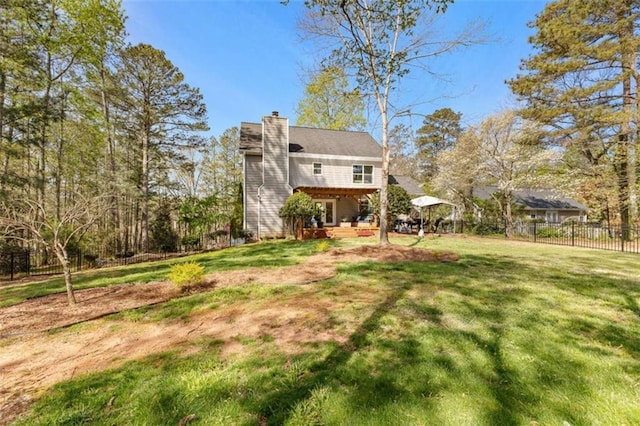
pixel 335 157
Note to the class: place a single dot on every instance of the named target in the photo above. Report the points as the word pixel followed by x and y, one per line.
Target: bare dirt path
pixel 31 359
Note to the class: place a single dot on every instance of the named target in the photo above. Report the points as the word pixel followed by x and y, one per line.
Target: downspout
pixel 260 211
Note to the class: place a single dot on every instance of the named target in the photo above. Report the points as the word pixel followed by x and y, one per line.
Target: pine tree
pixel 582 82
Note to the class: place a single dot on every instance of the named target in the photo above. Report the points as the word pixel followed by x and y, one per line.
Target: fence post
pixel 535 232
pixel 622 235
pixel 79 260
pixel 573 233
pixel 11 265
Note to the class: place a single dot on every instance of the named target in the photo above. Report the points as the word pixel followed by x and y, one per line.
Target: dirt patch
pixel 32 360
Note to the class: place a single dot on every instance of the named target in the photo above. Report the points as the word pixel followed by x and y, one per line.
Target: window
pixel 362 173
pixel 317 168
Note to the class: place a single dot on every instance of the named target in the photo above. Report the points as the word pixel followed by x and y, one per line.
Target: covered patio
pixel 341 207
pixel 346 213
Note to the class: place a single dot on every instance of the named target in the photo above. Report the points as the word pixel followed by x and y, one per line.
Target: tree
pixel 378 42
pixel 199 215
pixel 438 133
pixel 511 156
pixel 399 202
pixel 583 83
pixel 18 68
pixel 163 236
pixel 28 221
pixel 329 104
pixel 457 169
pixel 296 209
pixel 162 112
pixel 402 152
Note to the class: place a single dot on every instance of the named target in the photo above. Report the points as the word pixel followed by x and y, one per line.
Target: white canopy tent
pixel 427 201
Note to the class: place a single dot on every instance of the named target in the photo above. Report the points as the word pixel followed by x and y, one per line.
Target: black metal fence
pixel 17 264
pixel 587 235
pixel 595 236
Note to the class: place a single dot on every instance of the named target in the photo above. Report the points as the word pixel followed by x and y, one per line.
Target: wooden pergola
pixel 317 192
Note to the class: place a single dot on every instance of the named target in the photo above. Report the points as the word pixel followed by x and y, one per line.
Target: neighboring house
pixel 543 204
pixel 413 188
pixel 338 169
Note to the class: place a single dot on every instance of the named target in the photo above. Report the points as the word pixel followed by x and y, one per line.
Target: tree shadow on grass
pixel 276 407
pixel 379 384
pixel 512 328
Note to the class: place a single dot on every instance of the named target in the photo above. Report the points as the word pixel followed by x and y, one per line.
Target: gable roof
pixel 315 141
pixel 408 183
pixel 535 199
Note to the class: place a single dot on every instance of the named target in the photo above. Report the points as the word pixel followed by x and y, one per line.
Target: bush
pixel 190 240
pixel 547 232
pixel 245 234
pixel 487 228
pixel 296 209
pixel 163 236
pixel 322 246
pixel 186 274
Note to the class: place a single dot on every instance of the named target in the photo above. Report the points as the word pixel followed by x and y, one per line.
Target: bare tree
pixel 28 221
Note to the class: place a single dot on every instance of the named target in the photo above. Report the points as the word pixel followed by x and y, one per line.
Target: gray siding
pixel 275 185
pixel 252 182
pixel 336 173
pixel 271 200
pixel 346 206
pixel 275 152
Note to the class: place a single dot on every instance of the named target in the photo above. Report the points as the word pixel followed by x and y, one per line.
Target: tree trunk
pixel 299 228
pixel 61 253
pixel 145 192
pixel 508 218
pixel 621 161
pixel 384 186
pixel 106 115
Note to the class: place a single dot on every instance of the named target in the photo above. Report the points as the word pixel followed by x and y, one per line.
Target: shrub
pixel 322 246
pixel 296 209
pixel 190 240
pixel 185 274
pixel 245 234
pixel 163 236
pixel 548 232
pixel 487 228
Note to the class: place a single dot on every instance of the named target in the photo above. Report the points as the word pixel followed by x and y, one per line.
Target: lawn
pixel 512 333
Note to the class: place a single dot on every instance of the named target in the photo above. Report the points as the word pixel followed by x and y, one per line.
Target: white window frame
pixel 362 181
pixel 313 169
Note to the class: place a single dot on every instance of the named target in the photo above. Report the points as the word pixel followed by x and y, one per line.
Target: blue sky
pixel 247 58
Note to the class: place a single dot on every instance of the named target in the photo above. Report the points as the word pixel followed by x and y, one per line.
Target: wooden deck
pixel 341 232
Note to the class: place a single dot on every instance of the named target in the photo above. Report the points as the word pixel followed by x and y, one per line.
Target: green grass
pixel 272 254
pixel 513 333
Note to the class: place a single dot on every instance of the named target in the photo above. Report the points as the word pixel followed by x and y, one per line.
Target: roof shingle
pixel 315 141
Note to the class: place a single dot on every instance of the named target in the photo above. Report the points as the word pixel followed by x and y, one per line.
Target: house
pixel 413 188
pixel 338 169
pixel 543 204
